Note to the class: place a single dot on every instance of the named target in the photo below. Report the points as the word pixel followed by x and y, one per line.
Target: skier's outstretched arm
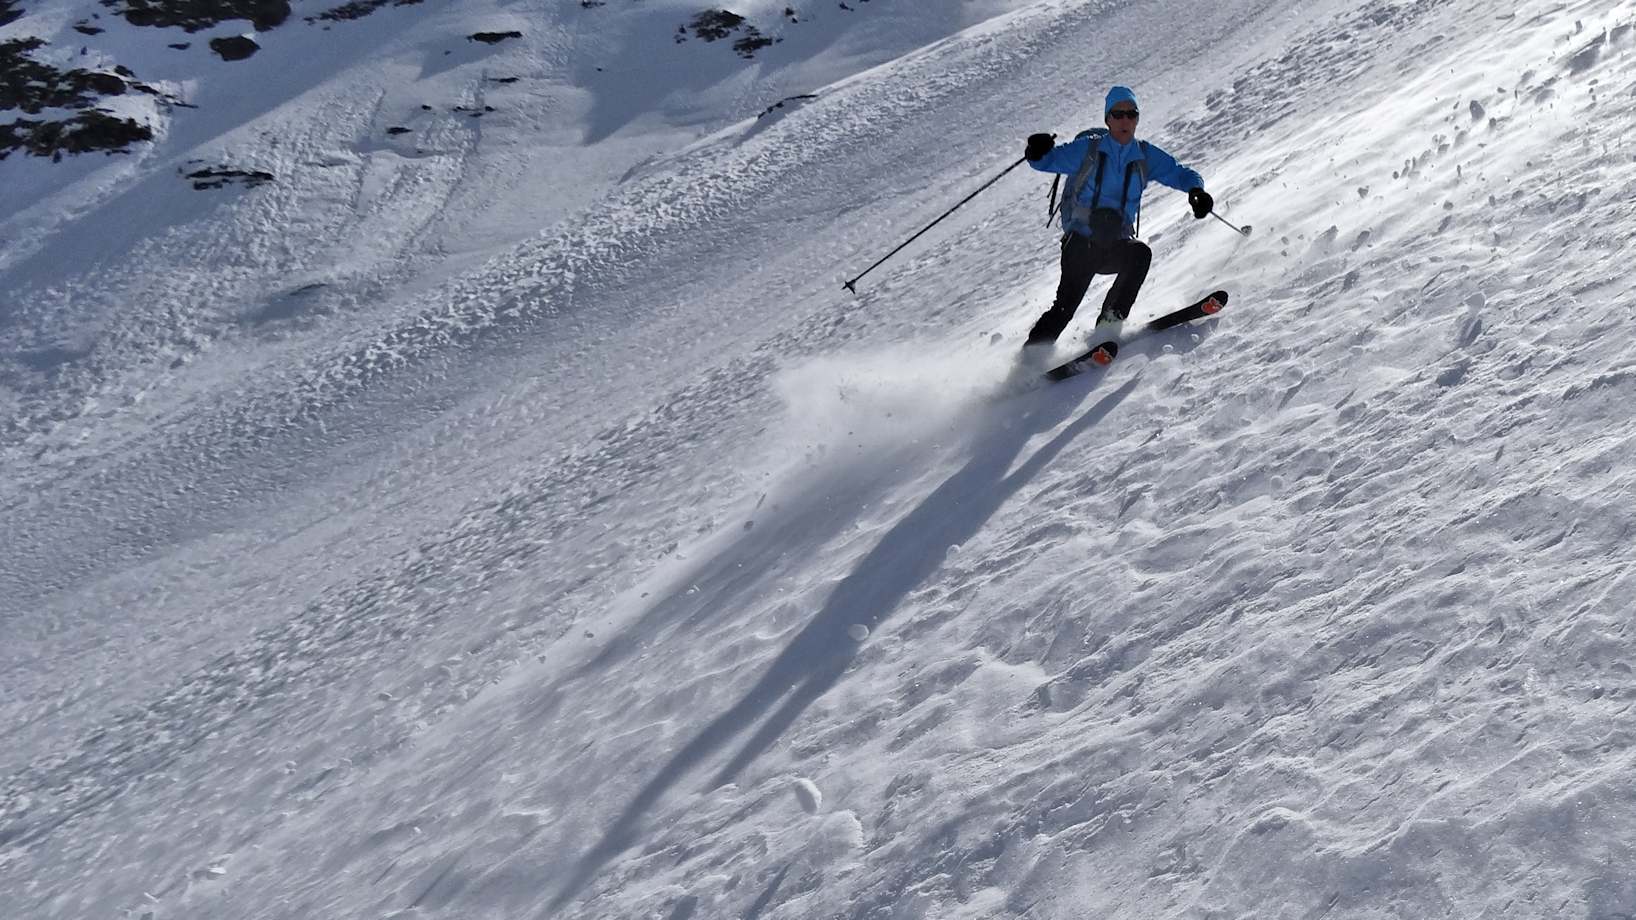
pixel 1045 155
pixel 1163 168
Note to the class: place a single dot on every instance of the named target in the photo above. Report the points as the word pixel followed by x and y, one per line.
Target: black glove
pixel 1201 201
pixel 1039 145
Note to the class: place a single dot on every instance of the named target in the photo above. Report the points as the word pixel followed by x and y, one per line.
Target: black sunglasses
pixel 1121 114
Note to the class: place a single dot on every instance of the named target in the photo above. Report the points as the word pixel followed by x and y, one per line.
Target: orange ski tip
pixel 1101 357
pixel 1212 306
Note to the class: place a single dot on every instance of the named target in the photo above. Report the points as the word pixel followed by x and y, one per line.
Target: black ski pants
pixel 1082 260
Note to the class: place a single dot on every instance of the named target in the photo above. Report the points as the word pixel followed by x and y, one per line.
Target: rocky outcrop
pixel 492 38
pixel 716 25
pixel 218 176
pixel 194 15
pixel 33 87
pixel 234 47
pixel 787 101
pixel 357 9
pixel 82 133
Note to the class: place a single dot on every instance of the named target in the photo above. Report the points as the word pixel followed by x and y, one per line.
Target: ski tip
pixel 1214 303
pixel 1103 355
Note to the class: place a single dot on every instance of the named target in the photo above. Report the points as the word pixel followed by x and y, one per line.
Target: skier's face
pixel 1121 121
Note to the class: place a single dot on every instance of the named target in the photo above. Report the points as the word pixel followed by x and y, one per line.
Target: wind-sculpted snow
pixel 642 572
pixel 523 302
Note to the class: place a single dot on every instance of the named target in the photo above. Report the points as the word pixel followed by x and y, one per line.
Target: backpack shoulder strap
pixel 1094 158
pixel 1076 183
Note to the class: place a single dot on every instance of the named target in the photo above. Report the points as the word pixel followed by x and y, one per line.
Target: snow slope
pixel 517 570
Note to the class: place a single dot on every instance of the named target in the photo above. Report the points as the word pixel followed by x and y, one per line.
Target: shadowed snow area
pixel 511 516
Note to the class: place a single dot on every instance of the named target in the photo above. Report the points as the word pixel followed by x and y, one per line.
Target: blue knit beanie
pixel 1117 95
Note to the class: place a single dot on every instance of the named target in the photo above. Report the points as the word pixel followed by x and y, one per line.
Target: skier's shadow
pixel 910 552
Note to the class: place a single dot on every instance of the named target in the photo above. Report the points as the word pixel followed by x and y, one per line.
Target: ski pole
pixel 849 284
pixel 1242 231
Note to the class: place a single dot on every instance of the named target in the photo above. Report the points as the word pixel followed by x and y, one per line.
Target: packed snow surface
pixel 511 516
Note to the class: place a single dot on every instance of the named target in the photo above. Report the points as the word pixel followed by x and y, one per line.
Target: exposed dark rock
pixel 788 100
pixel 10 11
pixel 85 28
pixel 105 83
pixel 181 46
pixel 493 38
pixel 357 9
pixel 397 129
pixel 509 79
pixel 752 41
pixel 85 132
pixel 33 87
pixel 348 11
pixel 234 48
pixel 218 176
pixel 715 25
pixel 194 15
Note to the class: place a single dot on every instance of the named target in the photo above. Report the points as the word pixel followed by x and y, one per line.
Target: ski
pixel 1103 353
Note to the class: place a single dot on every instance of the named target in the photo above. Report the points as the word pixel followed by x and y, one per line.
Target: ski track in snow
pixel 1319 609
pixel 219 456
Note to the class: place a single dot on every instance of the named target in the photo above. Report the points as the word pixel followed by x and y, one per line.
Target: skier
pixel 1101 207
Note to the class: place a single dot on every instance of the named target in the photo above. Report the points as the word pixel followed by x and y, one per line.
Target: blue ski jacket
pixel 1125 171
